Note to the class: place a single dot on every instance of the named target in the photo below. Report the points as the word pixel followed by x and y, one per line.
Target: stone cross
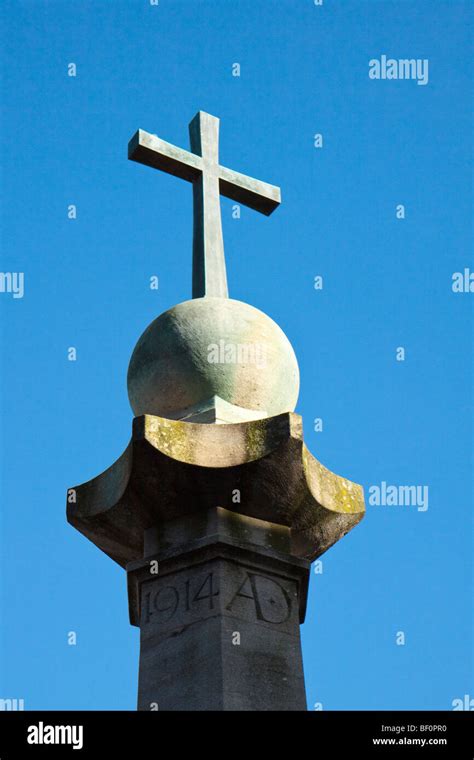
pixel 210 181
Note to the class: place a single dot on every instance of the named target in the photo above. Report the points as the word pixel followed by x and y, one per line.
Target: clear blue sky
pixel 387 284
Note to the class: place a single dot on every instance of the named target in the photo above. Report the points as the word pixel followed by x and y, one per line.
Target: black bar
pixel 156 734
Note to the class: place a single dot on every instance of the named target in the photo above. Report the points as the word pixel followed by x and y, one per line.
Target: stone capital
pixel 258 468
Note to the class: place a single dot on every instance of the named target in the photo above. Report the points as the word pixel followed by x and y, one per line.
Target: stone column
pixel 219 601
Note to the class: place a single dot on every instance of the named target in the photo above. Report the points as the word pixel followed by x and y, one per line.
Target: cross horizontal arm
pixel 150 150
pixel 253 193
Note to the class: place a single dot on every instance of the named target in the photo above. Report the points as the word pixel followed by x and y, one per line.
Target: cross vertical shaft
pixel 209 271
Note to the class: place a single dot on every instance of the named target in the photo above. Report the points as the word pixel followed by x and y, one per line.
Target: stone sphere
pixel 213 347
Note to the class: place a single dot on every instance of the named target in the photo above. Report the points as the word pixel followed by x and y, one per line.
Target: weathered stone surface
pixel 220 524
pixel 172 366
pixel 216 411
pixel 219 607
pixel 171 469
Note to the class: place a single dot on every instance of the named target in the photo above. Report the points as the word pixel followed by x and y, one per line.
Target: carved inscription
pixel 261 596
pixel 271 600
pixel 161 605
